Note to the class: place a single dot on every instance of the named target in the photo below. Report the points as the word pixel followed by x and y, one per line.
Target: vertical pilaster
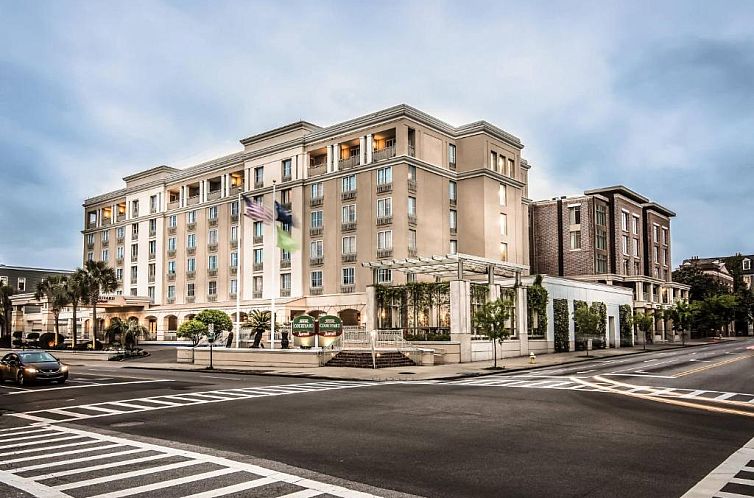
pixel 370 148
pixel 521 319
pixel 329 158
pixel 371 309
pixel 362 150
pixel 336 157
pixel 460 316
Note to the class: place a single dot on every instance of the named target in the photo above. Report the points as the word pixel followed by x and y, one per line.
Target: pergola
pixel 451 267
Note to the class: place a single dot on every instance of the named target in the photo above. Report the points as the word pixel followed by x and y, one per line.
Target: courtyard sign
pixel 303 326
pixel 329 326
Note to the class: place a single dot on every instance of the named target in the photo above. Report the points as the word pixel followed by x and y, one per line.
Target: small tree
pixel 587 319
pixel 644 321
pixel 77 295
pixel 54 290
pixel 259 321
pixel 192 329
pixel 6 291
pixel 682 315
pixel 221 321
pixel 490 320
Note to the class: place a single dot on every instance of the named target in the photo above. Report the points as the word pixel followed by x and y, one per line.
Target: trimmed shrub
pixel 561 322
pixel 626 331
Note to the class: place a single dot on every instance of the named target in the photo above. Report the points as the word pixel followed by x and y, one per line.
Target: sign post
pixel 211 340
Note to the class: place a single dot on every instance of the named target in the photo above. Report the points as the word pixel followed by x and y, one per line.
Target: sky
pixel 658 96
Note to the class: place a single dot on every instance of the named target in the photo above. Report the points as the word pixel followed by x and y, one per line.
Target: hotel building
pixel 397 183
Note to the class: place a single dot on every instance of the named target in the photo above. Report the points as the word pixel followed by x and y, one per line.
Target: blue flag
pixel 282 214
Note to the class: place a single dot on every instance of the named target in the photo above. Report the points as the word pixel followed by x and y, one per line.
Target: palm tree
pixel 6 291
pixel 259 321
pixel 77 294
pixel 53 289
pixel 100 279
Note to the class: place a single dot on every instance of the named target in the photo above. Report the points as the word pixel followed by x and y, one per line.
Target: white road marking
pixel 69 461
pixel 47 456
pixel 166 484
pixel 34 443
pixel 33 391
pixel 91 468
pixel 725 396
pixel 125 475
pixel 237 488
pixel 640 375
pixel 723 474
pixel 305 493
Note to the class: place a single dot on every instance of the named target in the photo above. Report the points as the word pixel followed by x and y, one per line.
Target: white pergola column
pixel 371 309
pixel 521 320
pixel 113 213
pixel 362 150
pixel 329 158
pixel 246 179
pixel 336 157
pixel 460 316
pixel 182 196
pixel 370 148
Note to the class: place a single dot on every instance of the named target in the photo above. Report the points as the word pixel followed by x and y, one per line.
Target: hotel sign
pixel 303 326
pixel 329 326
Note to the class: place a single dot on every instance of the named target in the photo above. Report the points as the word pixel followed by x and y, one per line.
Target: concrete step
pixel 363 359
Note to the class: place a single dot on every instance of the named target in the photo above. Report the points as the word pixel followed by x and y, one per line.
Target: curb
pixel 448 377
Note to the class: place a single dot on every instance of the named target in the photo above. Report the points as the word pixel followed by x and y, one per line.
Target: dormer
pixel 746 264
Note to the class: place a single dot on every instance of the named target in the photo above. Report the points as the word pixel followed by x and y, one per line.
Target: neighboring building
pixel 25 279
pixel 713 267
pixel 397 183
pixel 610 235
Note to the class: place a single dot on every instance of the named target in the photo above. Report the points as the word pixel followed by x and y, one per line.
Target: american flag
pixel 256 211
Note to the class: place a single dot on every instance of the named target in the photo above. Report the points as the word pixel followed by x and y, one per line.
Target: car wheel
pixel 62 381
pixel 20 380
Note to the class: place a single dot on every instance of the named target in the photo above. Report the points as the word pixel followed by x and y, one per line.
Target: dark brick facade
pixel 29 277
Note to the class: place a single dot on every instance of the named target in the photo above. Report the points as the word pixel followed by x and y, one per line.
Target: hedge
pixel 626 332
pixel 561 320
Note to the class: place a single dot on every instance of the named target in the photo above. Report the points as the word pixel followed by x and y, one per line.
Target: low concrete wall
pixel 246 357
pixel 446 351
pixel 66 356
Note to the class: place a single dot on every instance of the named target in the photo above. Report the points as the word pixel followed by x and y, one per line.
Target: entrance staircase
pixel 363 359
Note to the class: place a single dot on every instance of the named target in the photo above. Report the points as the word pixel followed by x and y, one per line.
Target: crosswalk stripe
pixel 101 409
pixel 126 475
pixel 34 431
pixel 47 464
pixel 236 488
pixel 120 463
pixel 304 493
pixel 23 438
pixel 62 453
pixel 166 484
pixel 36 443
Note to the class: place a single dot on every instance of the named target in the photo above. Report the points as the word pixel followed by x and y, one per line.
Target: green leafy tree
pixel 744 313
pixel 644 322
pixel 192 329
pixel 536 301
pixel 54 290
pixel 587 319
pixel 715 312
pixel 259 322
pixel 682 315
pixel 6 291
pixel 702 285
pixel 626 324
pixel 99 279
pixel 220 320
pixel 76 287
pixel 490 320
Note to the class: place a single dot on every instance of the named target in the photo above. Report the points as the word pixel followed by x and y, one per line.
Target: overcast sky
pixel 658 96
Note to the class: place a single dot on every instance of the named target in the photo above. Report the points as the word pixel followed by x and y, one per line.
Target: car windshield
pixel 36 357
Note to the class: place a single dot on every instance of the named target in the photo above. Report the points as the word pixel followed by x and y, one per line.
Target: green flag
pixel 285 241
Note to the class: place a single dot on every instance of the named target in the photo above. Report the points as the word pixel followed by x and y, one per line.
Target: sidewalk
pixel 437 372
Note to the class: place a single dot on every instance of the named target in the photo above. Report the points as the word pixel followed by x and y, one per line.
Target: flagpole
pixel 240 272
pixel 274 280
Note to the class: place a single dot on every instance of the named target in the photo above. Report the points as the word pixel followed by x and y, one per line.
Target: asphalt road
pixel 580 430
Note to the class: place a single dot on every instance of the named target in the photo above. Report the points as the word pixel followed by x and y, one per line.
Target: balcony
pixel 120 239
pixel 316 201
pixel 412 252
pixel 213 195
pixel 171 276
pixel 453 202
pixel 171 300
pixel 120 217
pixel 134 280
pixel 152 256
pixel 257 267
pixel 285 264
pixel 234 243
pixel 191 226
pixel 412 185
pixel 234 218
pixel 190 275
pixel 134 235
pixel 453 230
pixel 348 227
pixel 318 261
pixel 452 166
pixel 212 298
pixel 171 253
pixel 212 222
pixel 105 243
pixel 259 184
pixel 412 219
pixel 258 239
pixel 212 247
pixel 173 205
pixel 192 201
pixel 382 154
pixel 348 163
pixel 347 289
pixel 315 291
pixel 318 169
pixel 119 260
pixel 172 230
pixel 384 188
pixel 315 231
pixel 384 220
pixel 90 245
pixel 256 295
pixel 348 195
pixel 235 190
pixel 191 251
pixel 285 293
pixel 190 299
pixel 384 253
pixel 348 257
pixel 212 272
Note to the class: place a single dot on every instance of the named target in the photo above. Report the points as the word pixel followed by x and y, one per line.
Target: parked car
pixel 32 366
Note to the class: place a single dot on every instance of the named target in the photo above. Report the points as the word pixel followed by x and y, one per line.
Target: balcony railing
pixel 90 245
pixel 106 222
pixel 315 291
pixel 316 261
pixel 315 231
pixel 453 230
pixel 453 203
pixel 191 201
pixel 232 295
pixel 412 252
pixel 234 243
pixel 191 226
pixel 348 163
pixel 152 209
pixel 285 292
pixel 152 256
pixel 286 177
pixel 190 275
pixel 105 243
pixel 234 190
pixel 348 227
pixel 153 233
pixel 234 217
pixel 119 261
pixel 256 295
pixel 212 272
pixel 285 263
pixel 212 247
pixel 412 219
pixel 233 270
pixel 412 151
pixel 382 154
pixel 173 205
pixel 384 188
pixel 134 258
pixel 259 184
pixel 212 222
pixel 171 253
pixel 384 220
pixel 134 280
pixel 452 166
pixel 171 300
pixel 348 195
pixel 213 194
pixel 347 289
pixel 191 251
pixel 134 235
pixel 258 239
pixel 318 169
pixel 316 201
pixel 150 279
pixel 190 299
pixel 385 253
pixel 172 230
pixel 212 298
pixel 257 267
pixel 348 257
pixel 120 217
pixel 412 185
pixel 120 239
pixel 171 276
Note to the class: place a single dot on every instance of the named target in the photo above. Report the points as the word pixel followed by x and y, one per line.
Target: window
pixel 92 217
pixel 625 244
pixel 348 183
pixel 384 176
pixel 624 220
pixel 316 219
pixel 665 235
pixel 134 273
pixel 151 271
pixel 625 267
pixel 316 279
pixel 504 224
pixel 349 213
pixel 171 244
pixel 258 228
pixel 453 219
pixel 349 275
pixel 3 280
pixel 412 206
pixel 134 251
pixel 119 252
pixel 285 255
pixel 152 226
pixel 493 160
pixel 656 233
pixel 453 249
pixel 172 221
pixel 601 239
pixel 105 255
pixel 212 236
pixel 503 251
pixel 665 256
pixel 636 248
pixel 635 226
pixel 575 240
pixel 134 208
pixel 511 168
pixel 171 266
pixel 285 196
pixel 212 212
pixel 574 215
pixel 385 239
pixel 411 172
pixel 637 268
pixel 412 240
pixel 90 239
pixel 258 256
pixel 285 281
pixel 234 208
pixel 120 232
pixel 152 247
pixel 191 217
pixel 212 288
pixel 317 190
pixel 257 284
pixel 90 256
pixel 105 236
pixel 153 203
pixel 657 254
pixel 234 259
pixel 233 287
pixel 500 164
pixel 349 244
pixel 259 176
pixel 503 195
pixel 191 264
pixel 190 289
pixel 451 155
pixel 601 217
pixel 134 229
pixel 316 249
pixel 452 191
pixel 119 274
pixel 601 263
pixel 171 291
pixel 21 284
pixel 191 240
pixel 134 291
pixel 384 275
pixel 746 264
pixel 234 233
pixel 384 207
pixel 286 168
